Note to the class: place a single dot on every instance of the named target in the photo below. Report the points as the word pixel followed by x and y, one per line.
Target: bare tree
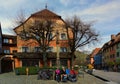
pixel 82 34
pixel 40 31
pixel 19 18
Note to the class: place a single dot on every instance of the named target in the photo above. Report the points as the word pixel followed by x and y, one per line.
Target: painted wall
pixel 98 59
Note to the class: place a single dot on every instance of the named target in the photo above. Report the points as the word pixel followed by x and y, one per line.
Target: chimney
pixel 113 37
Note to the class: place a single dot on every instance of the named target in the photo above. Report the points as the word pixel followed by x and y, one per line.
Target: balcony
pixel 35 55
pixel 9 40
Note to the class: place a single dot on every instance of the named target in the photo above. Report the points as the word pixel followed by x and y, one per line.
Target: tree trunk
pixel 72 59
pixel 45 59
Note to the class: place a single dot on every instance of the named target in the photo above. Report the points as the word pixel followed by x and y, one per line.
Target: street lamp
pixel 1 60
pixel 57 45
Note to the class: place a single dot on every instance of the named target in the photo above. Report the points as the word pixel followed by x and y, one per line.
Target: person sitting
pixel 68 71
pixel 63 74
pixel 72 72
pixel 57 74
pixel 72 76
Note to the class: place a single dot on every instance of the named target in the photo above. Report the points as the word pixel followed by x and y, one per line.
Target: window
pixel 110 56
pixel 5 41
pixel 63 36
pixel 63 49
pixel 7 51
pixel 14 51
pixel 30 62
pixel 53 62
pixel 117 54
pixel 63 62
pixel 24 49
pixel 10 41
pixel 50 49
pixel 37 49
pixel 117 46
pixel 51 35
pixel 37 22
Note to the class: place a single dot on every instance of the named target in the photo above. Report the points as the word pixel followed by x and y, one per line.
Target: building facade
pixel 28 51
pixel 110 53
pixel 8 47
pixel 94 52
pixel 16 52
pixel 98 60
pixel 110 50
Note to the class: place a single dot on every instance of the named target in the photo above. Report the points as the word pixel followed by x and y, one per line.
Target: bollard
pixel 27 71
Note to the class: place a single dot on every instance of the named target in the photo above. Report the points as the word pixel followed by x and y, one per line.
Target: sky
pixel 104 13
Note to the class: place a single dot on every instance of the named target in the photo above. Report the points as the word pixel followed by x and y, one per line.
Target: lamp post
pixel 57 45
pixel 1 62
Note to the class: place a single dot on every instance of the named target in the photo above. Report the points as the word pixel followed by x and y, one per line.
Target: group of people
pixel 65 74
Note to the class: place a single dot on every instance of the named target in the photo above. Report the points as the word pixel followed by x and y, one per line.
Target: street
pixel 113 77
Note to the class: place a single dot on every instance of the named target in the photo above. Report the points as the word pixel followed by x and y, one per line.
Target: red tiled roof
pixel 46 14
pixel 43 14
pixel 95 51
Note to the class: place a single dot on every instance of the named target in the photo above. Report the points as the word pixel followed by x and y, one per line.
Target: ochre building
pixel 28 51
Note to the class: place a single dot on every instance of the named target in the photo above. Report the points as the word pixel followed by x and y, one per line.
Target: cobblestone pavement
pixel 11 78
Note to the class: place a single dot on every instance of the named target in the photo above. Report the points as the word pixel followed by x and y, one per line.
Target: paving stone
pixel 11 78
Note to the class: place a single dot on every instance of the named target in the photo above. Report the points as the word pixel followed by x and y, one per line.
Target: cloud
pixel 71 2
pixel 65 2
pixel 7 4
pixel 5 23
pixel 104 12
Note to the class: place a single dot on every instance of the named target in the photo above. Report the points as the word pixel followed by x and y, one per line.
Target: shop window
pixel 63 62
pixel 30 62
pixel 53 62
